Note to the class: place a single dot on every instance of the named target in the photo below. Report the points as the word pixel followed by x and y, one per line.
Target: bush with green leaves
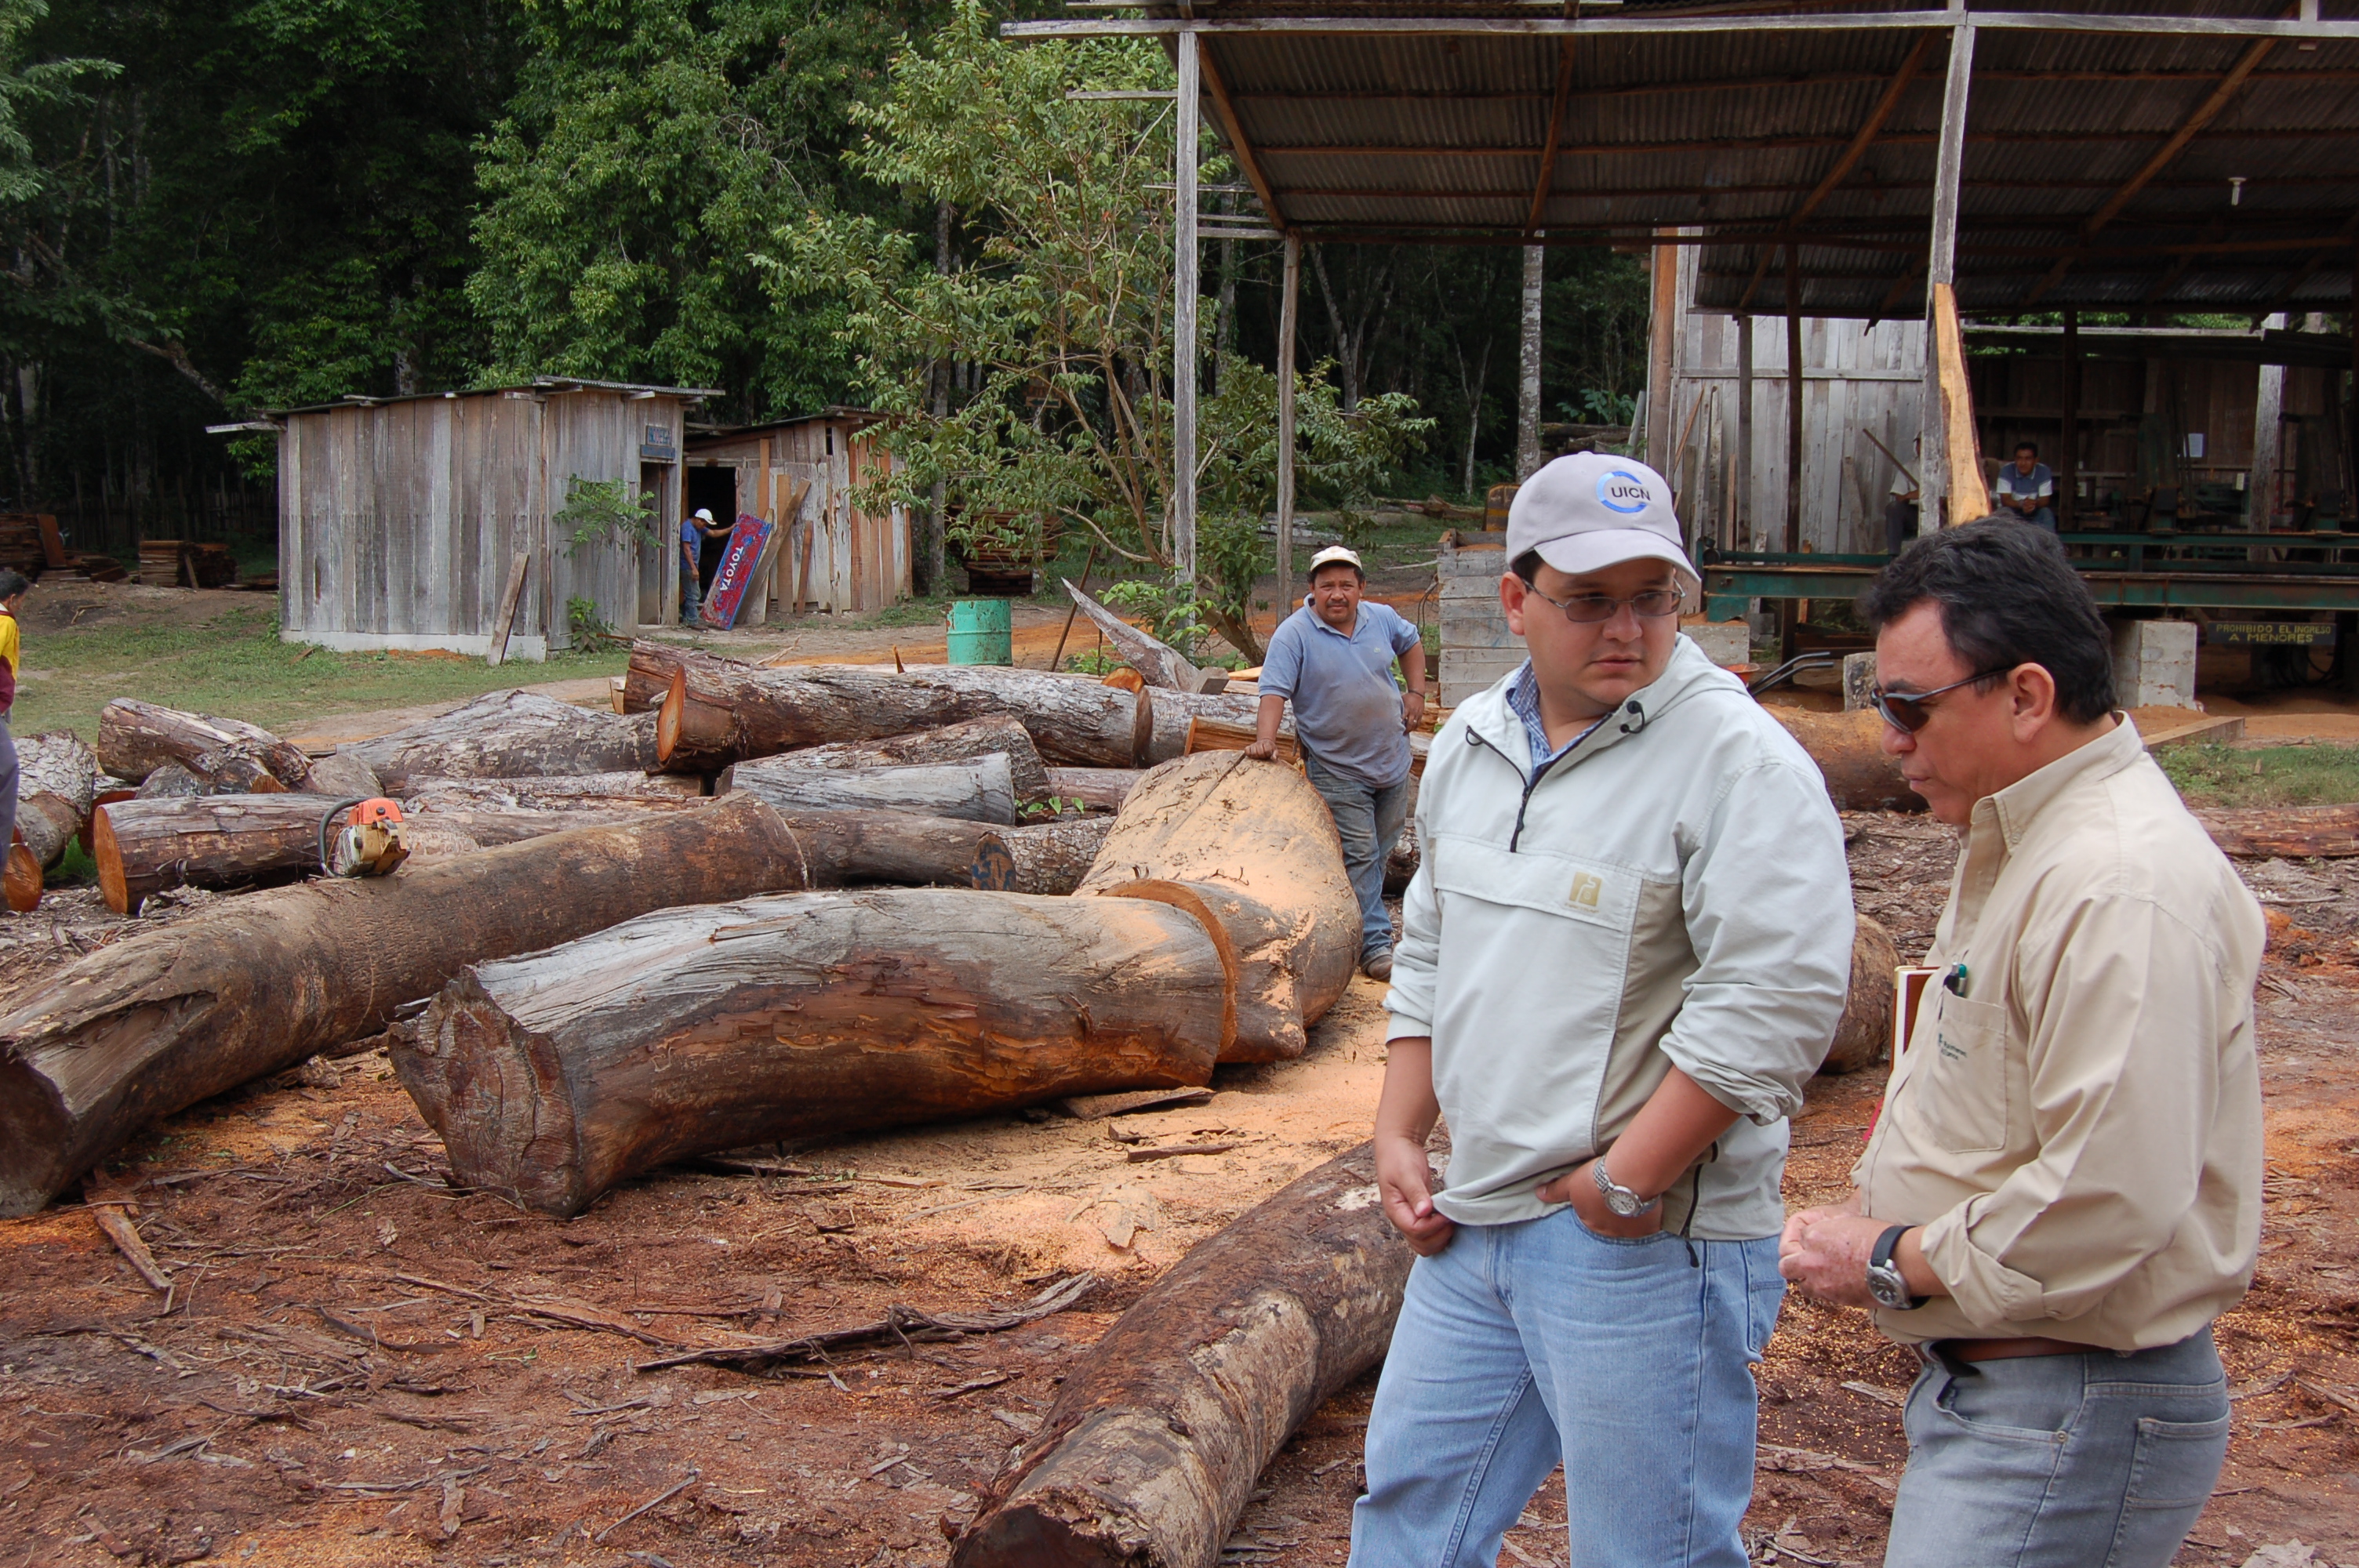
pixel 605 511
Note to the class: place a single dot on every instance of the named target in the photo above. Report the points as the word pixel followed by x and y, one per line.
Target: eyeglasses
pixel 1905 710
pixel 1588 609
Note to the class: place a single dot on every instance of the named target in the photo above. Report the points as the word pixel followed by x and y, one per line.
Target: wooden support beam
pixel 1183 321
pixel 2067 458
pixel 2206 112
pixel 1767 143
pixel 2307 270
pixel 1562 96
pixel 1233 131
pixel 1849 158
pixel 1961 447
pixel 1741 83
pixel 1289 309
pixel 1940 270
pixel 1781 22
pixel 1793 402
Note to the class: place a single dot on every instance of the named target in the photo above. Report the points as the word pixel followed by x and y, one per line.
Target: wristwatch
pixel 1883 1279
pixel 1621 1200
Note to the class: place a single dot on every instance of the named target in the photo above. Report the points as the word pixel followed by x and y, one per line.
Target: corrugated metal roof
pixel 1383 136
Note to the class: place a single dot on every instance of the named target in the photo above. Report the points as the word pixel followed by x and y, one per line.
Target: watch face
pixel 1889 1289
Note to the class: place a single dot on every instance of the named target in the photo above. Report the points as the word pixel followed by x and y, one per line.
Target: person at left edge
pixel 14 586
pixel 1334 660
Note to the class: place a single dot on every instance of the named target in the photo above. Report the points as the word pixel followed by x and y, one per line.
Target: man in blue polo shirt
pixel 1334 660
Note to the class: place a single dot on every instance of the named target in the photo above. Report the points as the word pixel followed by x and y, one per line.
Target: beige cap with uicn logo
pixel 1592 510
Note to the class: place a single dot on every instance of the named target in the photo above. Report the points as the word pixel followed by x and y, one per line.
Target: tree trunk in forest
pixel 554 1076
pixel 1253 846
pixel 1849 749
pixel 511 734
pixel 136 738
pixel 1864 1036
pixel 1527 365
pixel 977 790
pixel 719 711
pixel 164 1019
pixel 1045 858
pixel 951 743
pixel 1103 788
pixel 1151 1451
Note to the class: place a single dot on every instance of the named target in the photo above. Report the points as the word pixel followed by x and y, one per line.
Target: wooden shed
pixel 403 520
pixel 805 475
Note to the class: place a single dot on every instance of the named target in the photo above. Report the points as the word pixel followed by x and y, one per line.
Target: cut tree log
pixel 144 847
pixel 977 790
pixel 2291 832
pixel 557 792
pixel 1253 844
pixel 56 781
pixel 554 1076
pixel 166 1018
pixel 170 781
pixel 491 823
pixel 1045 858
pixel 511 734
pixel 649 675
pixel 1102 789
pixel 1849 749
pixel 136 738
pixel 1863 1035
pixel 1151 1450
pixel 1219 735
pixel 344 776
pixel 719 711
pixel 250 767
pixel 1158 663
pixel 951 743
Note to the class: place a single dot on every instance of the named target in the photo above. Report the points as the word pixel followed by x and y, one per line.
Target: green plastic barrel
pixel 981 632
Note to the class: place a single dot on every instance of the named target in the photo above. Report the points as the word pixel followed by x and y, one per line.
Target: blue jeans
pixel 7 789
pixel 2045 517
pixel 1521 1345
pixel 692 593
pixel 2060 1461
pixel 1369 821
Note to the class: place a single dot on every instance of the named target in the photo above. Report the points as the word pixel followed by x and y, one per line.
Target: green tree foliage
pixel 1033 382
pixel 651 145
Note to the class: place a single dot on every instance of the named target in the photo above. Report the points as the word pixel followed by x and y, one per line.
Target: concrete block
pixel 2153 663
pixel 1724 642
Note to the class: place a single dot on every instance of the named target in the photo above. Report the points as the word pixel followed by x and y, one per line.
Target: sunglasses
pixel 1905 710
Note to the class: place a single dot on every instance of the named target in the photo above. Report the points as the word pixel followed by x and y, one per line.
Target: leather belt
pixel 2003 1349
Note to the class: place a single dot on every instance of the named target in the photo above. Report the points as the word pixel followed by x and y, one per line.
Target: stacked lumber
pixel 556 1074
pixel 21 544
pixel 163 563
pixel 210 565
pixel 100 569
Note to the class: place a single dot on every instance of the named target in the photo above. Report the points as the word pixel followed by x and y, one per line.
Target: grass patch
pixel 2263 775
pixel 235 665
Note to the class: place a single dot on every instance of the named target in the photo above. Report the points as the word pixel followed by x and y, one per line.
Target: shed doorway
pixel 713 488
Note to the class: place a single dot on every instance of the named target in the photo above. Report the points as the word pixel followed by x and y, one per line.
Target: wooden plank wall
pixel 859 561
pixel 1851 377
pixel 399 521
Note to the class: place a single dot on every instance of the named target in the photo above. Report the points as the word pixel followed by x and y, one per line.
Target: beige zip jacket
pixel 2080 1132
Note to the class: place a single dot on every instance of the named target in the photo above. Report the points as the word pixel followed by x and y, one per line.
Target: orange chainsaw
pixel 369 842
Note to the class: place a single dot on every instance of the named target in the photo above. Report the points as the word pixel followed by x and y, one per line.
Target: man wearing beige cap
pixel 1623 954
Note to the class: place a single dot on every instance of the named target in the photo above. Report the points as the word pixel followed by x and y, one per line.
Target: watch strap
pixel 1880 1260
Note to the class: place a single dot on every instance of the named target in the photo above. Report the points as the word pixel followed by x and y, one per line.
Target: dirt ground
pixel 355 1364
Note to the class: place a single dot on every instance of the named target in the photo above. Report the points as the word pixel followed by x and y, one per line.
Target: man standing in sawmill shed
pixel 1624 953
pixel 1334 660
pixel 2063 1188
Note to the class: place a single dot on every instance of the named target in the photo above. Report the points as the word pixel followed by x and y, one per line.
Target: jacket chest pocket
pixel 1960 1090
pixel 1597 894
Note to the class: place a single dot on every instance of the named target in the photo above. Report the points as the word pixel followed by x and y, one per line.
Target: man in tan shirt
pixel 2063 1188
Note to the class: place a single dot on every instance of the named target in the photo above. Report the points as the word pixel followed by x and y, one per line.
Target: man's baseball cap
pixel 1589 510
pixel 704 513
pixel 1334 555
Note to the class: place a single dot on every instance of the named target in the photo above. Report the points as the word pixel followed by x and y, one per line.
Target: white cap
pixel 704 514
pixel 1591 510
pixel 1333 553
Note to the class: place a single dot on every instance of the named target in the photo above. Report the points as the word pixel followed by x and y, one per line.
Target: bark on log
pixel 166 1018
pixel 1255 842
pixel 136 738
pixel 1045 858
pixel 344 776
pixel 978 790
pixel 511 734
pixel 951 743
pixel 553 1076
pixel 1150 1455
pixel 719 711
pixel 250 767
pixel 649 675
pixel 1864 1036
pixel 2292 832
pixel 489 823
pixel 170 780
pixel 1219 735
pixel 557 793
pixel 56 779
pixel 1158 663
pixel 1849 749
pixel 144 847
pixel 1103 789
